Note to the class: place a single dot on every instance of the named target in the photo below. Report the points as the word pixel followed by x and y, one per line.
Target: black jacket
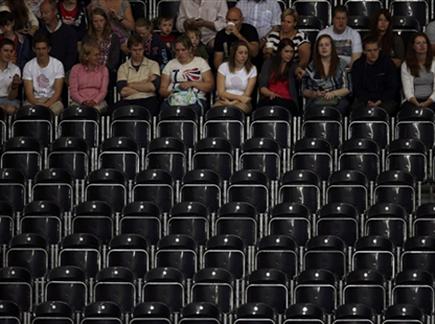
pixel 377 81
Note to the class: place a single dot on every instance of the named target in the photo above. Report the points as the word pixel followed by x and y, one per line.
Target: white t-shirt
pixel 43 78
pixel 236 82
pixel 6 77
pixel 346 43
pixel 191 71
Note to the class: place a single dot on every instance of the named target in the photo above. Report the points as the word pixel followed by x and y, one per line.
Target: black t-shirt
pixel 224 41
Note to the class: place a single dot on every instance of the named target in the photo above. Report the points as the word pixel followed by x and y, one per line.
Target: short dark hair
pixel 6 41
pixel 339 8
pixel 370 40
pixel 134 39
pixel 6 17
pixel 40 38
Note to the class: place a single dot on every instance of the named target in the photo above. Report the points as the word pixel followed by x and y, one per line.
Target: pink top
pixel 86 84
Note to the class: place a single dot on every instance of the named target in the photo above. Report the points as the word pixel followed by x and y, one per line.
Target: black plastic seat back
pixel 215 153
pixel 371 123
pixel 80 122
pixel 157 186
pixel 71 154
pixel 179 122
pixel 226 122
pixel 273 122
pixel 23 154
pixel 35 122
pixel 167 153
pixel 134 122
pixel 313 154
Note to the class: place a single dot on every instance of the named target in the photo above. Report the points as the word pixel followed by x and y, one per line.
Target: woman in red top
pixel 277 79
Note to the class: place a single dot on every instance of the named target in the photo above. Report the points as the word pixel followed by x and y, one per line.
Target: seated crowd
pixel 95 54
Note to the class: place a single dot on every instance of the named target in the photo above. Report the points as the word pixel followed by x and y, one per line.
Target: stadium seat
pixel 156 186
pixel 192 219
pixel 290 219
pixel 142 218
pixel 35 122
pixel 116 284
pixel 214 285
pixel 67 284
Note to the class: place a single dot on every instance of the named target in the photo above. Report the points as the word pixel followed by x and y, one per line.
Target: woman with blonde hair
pixel 302 45
pixel 236 79
pixel 89 79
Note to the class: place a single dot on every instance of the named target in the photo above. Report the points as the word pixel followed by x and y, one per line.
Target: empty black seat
pixel 254 313
pixel 167 153
pixel 142 218
pixel 304 313
pixel 157 186
pixel 35 122
pixel 9 312
pixel 214 285
pixel 226 122
pixel 102 312
pixel 71 154
pixel 80 122
pixel 134 122
pixel 16 286
pixel 205 313
pixel 67 284
pixel 151 312
pixel 55 312
pixel 214 153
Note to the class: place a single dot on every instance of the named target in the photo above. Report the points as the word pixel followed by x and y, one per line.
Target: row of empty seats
pixel 105 312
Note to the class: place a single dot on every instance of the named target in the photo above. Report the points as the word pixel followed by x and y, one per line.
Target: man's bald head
pixel 235 16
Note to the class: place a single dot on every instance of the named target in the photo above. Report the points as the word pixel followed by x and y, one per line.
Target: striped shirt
pixel 298 39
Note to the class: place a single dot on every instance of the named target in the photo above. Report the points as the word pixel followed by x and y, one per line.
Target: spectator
pixel 236 30
pixel 23 49
pixel 236 79
pixel 166 25
pixel 138 78
pixel 374 79
pixel 119 14
pixel 325 82
pixel 186 79
pixel 262 14
pixel 390 43
pixel 277 81
pixel 199 49
pixel 43 77
pixel 430 32
pixel 418 73
pixel 63 38
pixel 347 41
pixel 100 32
pixel 73 13
pixel 207 16
pixel 10 77
pixel 89 79
pixel 25 21
pixel 155 49
pixel 33 5
pixel 289 19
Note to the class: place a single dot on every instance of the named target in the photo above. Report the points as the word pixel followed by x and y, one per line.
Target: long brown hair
pixel 107 32
pixel 386 41
pixel 411 57
pixel 20 11
pixel 276 73
pixel 318 61
pixel 232 57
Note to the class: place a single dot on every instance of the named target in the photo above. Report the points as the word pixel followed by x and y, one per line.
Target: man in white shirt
pixel 347 40
pixel 264 15
pixel 205 15
pixel 10 77
pixel 43 77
